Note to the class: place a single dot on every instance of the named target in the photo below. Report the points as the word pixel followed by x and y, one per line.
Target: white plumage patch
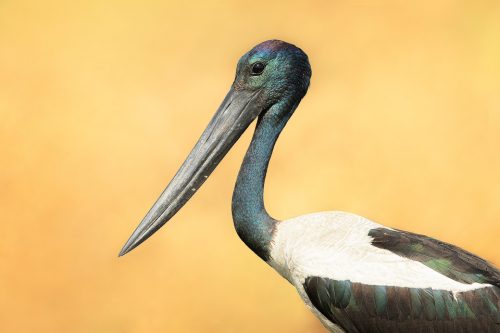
pixel 336 245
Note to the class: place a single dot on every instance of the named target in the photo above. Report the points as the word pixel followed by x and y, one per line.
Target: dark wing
pixel 360 308
pixel 447 259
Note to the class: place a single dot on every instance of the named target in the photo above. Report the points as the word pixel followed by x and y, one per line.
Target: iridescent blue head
pixel 280 70
pixel 270 81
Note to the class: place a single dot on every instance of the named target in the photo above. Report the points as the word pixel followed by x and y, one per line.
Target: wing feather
pixel 388 309
pixel 447 259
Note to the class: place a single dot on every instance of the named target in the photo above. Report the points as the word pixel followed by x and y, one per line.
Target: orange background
pixel 100 102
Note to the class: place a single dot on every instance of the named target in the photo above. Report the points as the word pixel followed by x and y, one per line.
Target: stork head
pixel 272 73
pixel 277 68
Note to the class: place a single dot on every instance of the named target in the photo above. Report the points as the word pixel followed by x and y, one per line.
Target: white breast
pixel 336 245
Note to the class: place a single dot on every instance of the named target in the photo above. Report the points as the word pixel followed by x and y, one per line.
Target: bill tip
pixel 129 246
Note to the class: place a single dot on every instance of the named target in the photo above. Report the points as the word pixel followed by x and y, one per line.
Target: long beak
pixel 235 114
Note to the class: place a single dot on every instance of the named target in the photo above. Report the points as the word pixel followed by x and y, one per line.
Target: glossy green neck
pixel 252 222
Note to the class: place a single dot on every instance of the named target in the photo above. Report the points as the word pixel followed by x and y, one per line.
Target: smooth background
pixel 100 102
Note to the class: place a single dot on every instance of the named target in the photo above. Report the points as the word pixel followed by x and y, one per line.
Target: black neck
pixel 252 222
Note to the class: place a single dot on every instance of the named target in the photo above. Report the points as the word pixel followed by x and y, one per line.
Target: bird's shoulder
pixel 313 240
pixel 348 246
pixel 324 229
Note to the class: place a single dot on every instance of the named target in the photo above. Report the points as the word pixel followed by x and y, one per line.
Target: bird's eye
pixel 258 68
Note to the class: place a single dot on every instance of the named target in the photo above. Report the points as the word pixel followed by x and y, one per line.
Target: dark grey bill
pixel 232 118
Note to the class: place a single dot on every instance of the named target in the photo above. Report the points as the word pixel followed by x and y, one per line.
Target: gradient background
pixel 101 101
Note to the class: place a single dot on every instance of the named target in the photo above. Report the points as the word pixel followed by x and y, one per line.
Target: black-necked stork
pixel 354 274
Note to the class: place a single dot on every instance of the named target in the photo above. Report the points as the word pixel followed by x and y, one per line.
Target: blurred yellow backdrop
pixel 100 101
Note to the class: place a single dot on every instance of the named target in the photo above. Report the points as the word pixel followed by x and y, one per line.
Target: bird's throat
pixel 252 222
